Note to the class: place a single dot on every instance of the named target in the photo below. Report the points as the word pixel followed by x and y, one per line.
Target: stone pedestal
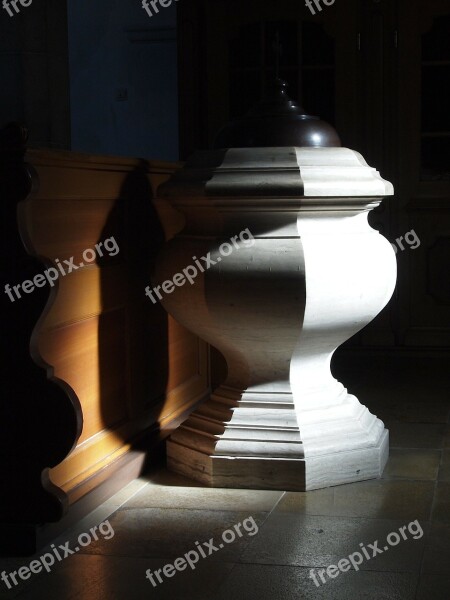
pixel 277 307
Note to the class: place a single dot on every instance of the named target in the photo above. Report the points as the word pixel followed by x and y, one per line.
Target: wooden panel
pixel 74 353
pixel 68 225
pixel 133 369
pixel 79 296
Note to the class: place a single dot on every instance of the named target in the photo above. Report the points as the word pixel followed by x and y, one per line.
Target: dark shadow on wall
pixel 132 332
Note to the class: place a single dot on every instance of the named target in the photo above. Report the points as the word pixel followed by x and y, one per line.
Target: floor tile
pixel 415 435
pixel 258 582
pixel 437 549
pixel 110 578
pixel 413 464
pixel 13 585
pixel 444 471
pixel 170 533
pixel 441 508
pixel 447 437
pixel 311 541
pixel 377 499
pixel 434 586
pixel 127 493
pixel 168 490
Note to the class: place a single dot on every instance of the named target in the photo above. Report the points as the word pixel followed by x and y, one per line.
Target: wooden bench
pixel 95 374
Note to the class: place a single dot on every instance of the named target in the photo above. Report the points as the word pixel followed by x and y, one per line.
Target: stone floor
pixel 284 535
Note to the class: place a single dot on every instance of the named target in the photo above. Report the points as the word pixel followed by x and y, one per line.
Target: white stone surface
pixel 316 274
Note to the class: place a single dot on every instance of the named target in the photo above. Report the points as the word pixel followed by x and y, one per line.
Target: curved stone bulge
pixel 350 277
pixel 249 305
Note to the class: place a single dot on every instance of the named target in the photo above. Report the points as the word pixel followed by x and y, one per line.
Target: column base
pixel 297 475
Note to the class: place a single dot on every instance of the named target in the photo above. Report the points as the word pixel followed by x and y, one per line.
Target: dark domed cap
pixel 277 121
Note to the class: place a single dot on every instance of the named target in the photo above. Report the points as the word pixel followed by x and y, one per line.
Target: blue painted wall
pixel 123 79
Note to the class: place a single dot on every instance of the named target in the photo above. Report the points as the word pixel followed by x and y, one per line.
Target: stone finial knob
pixel 277 121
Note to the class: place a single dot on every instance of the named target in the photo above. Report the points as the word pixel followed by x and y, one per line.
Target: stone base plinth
pixel 279 474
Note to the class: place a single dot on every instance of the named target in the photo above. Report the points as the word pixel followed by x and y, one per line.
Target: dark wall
pixel 34 82
pixel 97 77
pixel 123 79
